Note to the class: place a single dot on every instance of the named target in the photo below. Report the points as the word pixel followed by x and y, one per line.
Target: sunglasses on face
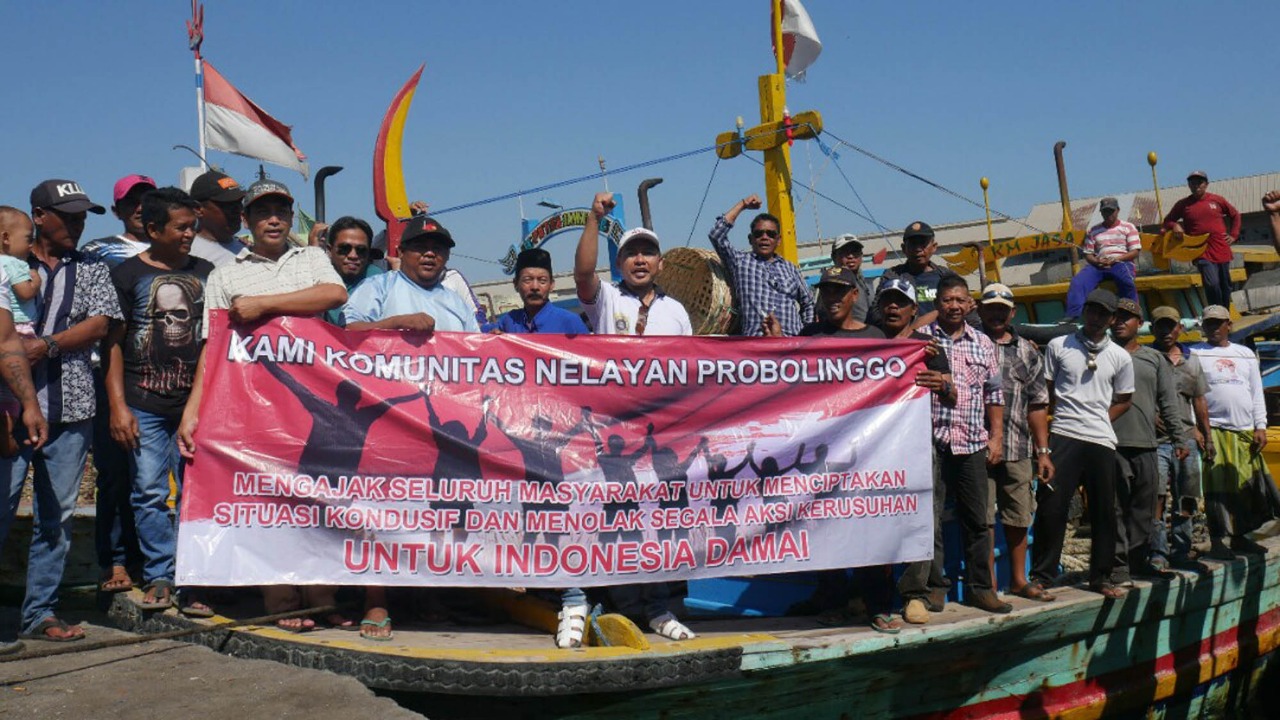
pixel 346 249
pixel 762 232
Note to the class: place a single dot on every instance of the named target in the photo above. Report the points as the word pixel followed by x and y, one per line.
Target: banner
pixel 387 458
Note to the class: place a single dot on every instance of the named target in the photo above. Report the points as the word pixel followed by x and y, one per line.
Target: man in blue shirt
pixel 412 298
pixel 534 282
pixel 350 242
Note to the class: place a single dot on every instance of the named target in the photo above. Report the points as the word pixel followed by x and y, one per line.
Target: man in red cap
pixel 1200 213
pixel 126 204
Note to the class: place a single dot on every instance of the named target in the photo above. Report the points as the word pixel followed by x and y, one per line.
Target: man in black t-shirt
pixel 837 295
pixel 918 245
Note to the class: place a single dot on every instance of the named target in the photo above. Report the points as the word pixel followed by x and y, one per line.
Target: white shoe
pixel 573 625
pixel 670 628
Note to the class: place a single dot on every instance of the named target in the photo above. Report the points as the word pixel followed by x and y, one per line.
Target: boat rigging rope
pixel 693 228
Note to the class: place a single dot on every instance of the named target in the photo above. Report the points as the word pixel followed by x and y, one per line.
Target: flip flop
pixel 1034 591
pixel 117 581
pixel 378 624
pixel 344 623
pixel 301 628
pixel 41 631
pixel 886 623
pixel 161 592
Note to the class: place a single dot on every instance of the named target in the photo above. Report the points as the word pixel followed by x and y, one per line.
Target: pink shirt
pixel 1105 242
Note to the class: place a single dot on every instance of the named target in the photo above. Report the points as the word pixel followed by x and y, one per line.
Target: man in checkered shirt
pixel 1111 250
pixel 763 283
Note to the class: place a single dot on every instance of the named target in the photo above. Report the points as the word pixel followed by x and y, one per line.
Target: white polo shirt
pixel 1082 397
pixel 614 311
pixel 252 274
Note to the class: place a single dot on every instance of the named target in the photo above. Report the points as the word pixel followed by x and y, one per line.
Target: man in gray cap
pixel 1200 213
pixel 1111 250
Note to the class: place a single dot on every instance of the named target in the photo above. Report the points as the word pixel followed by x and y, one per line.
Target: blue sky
pixel 519 94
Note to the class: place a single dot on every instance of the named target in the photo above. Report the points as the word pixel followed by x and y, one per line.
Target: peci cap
pixel 1164 312
pixel 64 196
pixel 422 227
pixel 1215 312
pixel 918 229
pixel 129 182
pixel 846 240
pixel 1129 306
pixel 533 258
pixel 635 234
pixel 1109 203
pixel 835 275
pixel 1103 297
pixel 263 188
pixel 997 294
pixel 1198 174
pixel 900 286
pixel 217 187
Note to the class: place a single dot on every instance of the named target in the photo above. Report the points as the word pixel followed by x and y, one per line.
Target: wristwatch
pixel 946 388
pixel 54 351
pixel 1044 451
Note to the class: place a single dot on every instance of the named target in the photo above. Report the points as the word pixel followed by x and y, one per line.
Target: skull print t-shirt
pixel 162 310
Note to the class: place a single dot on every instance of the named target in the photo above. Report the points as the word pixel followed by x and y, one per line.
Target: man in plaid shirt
pixel 763 283
pixel 963 445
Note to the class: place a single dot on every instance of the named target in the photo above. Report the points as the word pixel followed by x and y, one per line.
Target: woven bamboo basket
pixel 696 278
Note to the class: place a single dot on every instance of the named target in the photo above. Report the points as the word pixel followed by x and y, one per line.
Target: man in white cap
pixel 1200 213
pixel 1238 418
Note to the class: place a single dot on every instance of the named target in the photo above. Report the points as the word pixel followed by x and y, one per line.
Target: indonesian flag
pixel 800 43
pixel 233 123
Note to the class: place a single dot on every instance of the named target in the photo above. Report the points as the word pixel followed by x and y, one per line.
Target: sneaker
pixel 1219 551
pixel 989 601
pixel 915 612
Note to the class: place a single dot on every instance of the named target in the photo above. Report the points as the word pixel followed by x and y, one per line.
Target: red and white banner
pixel 386 458
pixel 235 124
pixel 800 43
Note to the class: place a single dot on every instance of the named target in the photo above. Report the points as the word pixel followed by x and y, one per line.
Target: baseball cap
pixel 263 188
pixel 533 258
pixel 1103 297
pixel 422 227
pixel 1164 312
pixel 917 229
pixel 1129 306
pixel 638 234
pixel 1198 174
pixel 997 294
pixel 1109 203
pixel 129 182
pixel 65 196
pixel 838 276
pixel 1215 312
pixel 846 240
pixel 217 187
pixel 899 285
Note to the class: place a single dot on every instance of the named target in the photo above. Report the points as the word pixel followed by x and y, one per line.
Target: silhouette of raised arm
pixel 303 393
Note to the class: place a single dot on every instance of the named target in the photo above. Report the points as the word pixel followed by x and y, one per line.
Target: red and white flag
pixel 800 43
pixel 233 123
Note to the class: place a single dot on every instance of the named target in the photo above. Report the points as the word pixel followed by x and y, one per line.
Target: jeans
pixel 149 464
pixel 1077 463
pixel 1089 277
pixel 573 596
pixel 114 538
pixel 59 465
pixel 1217 282
pixel 1181 480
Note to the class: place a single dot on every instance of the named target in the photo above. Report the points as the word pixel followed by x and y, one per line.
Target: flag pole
pixel 195 37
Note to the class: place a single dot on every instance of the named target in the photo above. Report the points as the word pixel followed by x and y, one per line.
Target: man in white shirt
pixel 1090 385
pixel 1238 422
pixel 219 196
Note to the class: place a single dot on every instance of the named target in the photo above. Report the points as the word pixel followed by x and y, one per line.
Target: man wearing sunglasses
pixel 764 284
pixel 1110 248
pixel 219 196
pixel 1203 212
pixel 350 242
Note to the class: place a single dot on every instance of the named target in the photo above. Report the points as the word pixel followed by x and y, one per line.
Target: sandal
pixel 190 605
pixel 1034 591
pixel 161 594
pixel 117 580
pixel 296 625
pixel 67 633
pixel 1109 591
pixel 385 622
pixel 670 628
pixel 886 623
pixel 572 627
pixel 338 621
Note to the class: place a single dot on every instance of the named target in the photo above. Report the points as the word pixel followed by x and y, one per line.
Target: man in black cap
pixel 220 199
pixel 837 295
pixel 1200 213
pixel 918 245
pixel 412 298
pixel 1090 385
pixel 1111 250
pixel 846 252
pixel 534 282
pixel 79 303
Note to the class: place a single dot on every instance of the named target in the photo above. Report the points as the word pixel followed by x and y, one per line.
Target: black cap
pixel 217 187
pixel 424 226
pixel 1109 203
pixel 838 275
pixel 533 258
pixel 917 229
pixel 1103 297
pixel 65 196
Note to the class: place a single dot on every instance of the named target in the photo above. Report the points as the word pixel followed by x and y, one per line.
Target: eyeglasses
pixel 346 249
pixel 764 233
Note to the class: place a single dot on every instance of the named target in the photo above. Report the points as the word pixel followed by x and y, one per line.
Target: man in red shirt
pixel 1204 212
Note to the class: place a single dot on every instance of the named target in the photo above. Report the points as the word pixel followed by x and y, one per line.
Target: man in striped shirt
pixel 1111 251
